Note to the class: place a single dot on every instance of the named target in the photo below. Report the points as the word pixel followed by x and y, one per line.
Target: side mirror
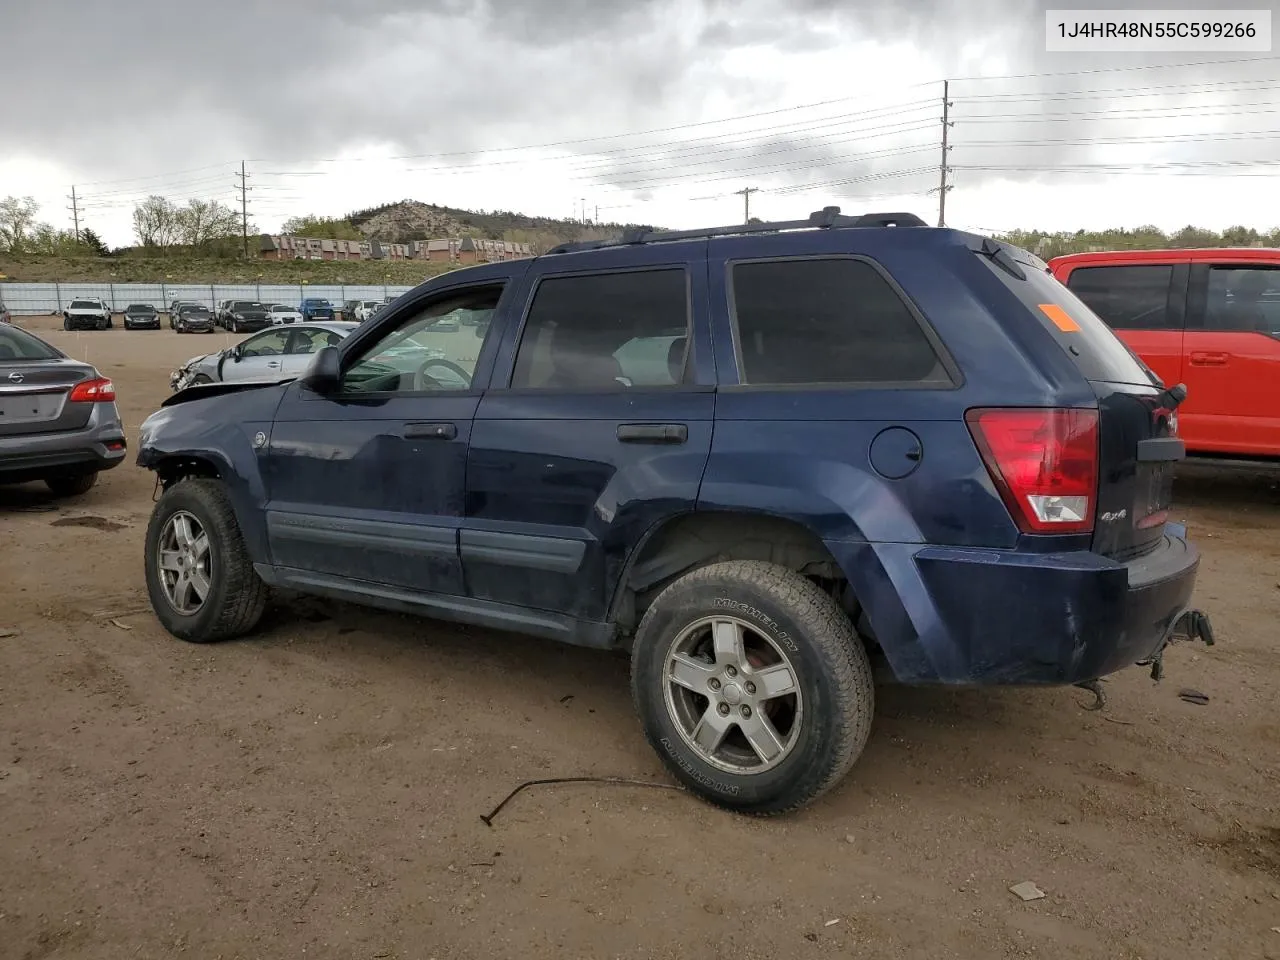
pixel 323 374
pixel 481 329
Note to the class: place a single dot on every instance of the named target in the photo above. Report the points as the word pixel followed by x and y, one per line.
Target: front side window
pixel 312 339
pixel 1133 297
pixel 413 358
pixel 827 321
pixel 264 345
pixel 606 332
pixel 1243 298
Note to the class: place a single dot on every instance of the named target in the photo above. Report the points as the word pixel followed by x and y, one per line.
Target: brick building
pixel 448 250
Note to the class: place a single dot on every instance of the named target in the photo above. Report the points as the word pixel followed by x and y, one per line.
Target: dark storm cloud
pixel 157 85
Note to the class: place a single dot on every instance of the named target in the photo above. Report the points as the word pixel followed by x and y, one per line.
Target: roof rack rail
pixel 824 219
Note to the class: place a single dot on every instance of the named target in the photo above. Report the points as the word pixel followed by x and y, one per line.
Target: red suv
pixel 1206 318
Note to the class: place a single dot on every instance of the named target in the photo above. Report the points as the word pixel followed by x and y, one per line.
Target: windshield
pixel 246 305
pixel 139 308
pixel 84 305
pixel 195 311
pixel 17 344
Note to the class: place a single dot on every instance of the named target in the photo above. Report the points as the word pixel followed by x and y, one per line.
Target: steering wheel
pixel 421 377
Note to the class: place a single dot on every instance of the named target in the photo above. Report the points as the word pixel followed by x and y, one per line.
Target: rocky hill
pixel 414 220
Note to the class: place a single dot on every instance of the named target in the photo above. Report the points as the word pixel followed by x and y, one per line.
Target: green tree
pixel 93 243
pixel 17 220
pixel 155 223
pixel 323 228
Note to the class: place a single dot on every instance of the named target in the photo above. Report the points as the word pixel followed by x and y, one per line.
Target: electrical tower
pixel 746 193
pixel 243 189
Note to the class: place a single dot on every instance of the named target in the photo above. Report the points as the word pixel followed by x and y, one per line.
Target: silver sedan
pixel 277 353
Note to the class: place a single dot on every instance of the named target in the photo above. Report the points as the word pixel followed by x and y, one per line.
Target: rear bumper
pixel 965 615
pixel 100 445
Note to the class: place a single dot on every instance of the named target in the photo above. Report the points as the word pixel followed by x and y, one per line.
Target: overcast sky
pixel 655 111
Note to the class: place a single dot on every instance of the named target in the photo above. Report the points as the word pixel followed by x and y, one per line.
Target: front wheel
pixel 752 686
pixel 199 575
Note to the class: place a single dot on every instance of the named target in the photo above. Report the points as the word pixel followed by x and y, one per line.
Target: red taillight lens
pixel 99 390
pixel 1044 462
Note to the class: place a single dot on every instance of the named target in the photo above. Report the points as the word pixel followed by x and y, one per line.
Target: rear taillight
pixel 98 390
pixel 1044 462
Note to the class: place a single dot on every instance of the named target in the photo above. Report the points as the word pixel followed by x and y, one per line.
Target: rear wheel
pixel 199 575
pixel 752 686
pixel 71 486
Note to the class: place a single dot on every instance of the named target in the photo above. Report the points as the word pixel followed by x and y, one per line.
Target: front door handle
pixel 430 431
pixel 653 432
pixel 273 363
pixel 1201 358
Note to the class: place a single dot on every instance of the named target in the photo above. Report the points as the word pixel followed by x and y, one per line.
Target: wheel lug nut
pixel 713 683
pixel 751 687
pixel 724 709
pixel 746 711
pixel 731 671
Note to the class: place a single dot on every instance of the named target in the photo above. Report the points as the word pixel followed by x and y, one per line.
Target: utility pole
pixel 584 210
pixel 944 170
pixel 75 212
pixel 597 219
pixel 746 193
pixel 244 188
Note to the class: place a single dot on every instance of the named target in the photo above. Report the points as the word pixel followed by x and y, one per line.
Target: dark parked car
pixel 193 318
pixel 141 316
pixel 246 316
pixel 759 459
pixel 316 308
pixel 58 417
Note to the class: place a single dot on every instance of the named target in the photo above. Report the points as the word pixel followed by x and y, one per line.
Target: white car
pixel 283 313
pixel 273 354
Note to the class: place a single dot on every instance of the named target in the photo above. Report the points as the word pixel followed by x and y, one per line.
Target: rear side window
pixel 607 331
pixel 1134 297
pixel 1243 298
pixel 16 344
pixel 1097 352
pixel 827 321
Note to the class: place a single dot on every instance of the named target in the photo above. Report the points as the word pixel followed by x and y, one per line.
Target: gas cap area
pixel 896 452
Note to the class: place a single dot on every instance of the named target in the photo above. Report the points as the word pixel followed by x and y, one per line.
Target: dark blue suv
pixel 760 459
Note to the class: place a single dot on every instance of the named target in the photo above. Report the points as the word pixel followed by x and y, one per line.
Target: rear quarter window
pixel 828 321
pixel 1097 352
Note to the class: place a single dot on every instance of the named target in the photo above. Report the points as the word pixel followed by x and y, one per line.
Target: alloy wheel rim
pixel 184 563
pixel 733 695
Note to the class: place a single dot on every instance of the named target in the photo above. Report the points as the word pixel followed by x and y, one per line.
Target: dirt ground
pixel 316 790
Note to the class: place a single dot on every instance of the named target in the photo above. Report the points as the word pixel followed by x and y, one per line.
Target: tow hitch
pixel 1192 625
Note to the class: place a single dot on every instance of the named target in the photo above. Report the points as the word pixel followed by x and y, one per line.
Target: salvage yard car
pixel 270 355
pixel 141 316
pixel 862 440
pixel 193 318
pixel 1209 319
pixel 86 313
pixel 58 416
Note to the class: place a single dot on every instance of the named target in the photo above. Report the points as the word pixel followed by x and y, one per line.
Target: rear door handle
pixel 1200 358
pixel 430 431
pixel 653 432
